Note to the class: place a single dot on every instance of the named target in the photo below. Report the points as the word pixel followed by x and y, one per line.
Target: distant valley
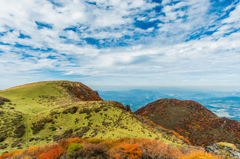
pixel 224 104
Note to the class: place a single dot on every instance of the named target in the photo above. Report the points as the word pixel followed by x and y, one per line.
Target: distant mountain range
pixel 224 104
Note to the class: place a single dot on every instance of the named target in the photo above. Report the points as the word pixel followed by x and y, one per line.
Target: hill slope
pixel 46 112
pixel 192 120
pixel 36 97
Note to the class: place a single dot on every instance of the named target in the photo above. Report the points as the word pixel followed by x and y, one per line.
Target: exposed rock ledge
pixel 224 149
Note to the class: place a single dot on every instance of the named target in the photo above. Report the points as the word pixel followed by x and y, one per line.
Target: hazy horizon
pixel 204 88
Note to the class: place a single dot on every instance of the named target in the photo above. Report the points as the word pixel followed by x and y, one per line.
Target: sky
pixel 121 43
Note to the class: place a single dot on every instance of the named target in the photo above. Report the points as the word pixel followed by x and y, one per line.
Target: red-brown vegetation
pixel 132 151
pixel 81 91
pixel 54 152
pixel 193 121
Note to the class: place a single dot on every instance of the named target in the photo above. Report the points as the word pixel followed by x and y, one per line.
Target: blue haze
pixel 224 104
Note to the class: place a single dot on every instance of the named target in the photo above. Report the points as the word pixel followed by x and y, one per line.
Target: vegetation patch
pixel 225 144
pixel 20 131
pixel 74 147
pixel 71 110
pixel 39 125
pixel 2 100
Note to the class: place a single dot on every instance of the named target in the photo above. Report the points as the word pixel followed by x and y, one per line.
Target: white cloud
pixel 223 113
pixel 234 15
pixel 159 55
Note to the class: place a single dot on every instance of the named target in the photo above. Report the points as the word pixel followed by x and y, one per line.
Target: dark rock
pixel 234 154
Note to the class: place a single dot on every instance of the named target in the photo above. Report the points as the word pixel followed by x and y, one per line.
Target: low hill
pixel 46 112
pixel 193 121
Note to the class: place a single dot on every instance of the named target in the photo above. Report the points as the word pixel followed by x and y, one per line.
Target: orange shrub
pixel 76 140
pixel 21 154
pixel 64 143
pixel 132 151
pixel 154 148
pixel 39 154
pixel 54 152
pixel 111 143
pixel 9 155
pixel 157 149
pixel 32 150
pixel 121 106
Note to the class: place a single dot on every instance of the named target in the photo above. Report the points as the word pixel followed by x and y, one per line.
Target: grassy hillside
pixel 193 121
pixel 47 112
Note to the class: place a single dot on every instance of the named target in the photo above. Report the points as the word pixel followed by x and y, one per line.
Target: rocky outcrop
pixel 224 149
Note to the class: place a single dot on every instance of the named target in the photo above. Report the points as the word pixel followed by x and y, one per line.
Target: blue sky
pixel 121 43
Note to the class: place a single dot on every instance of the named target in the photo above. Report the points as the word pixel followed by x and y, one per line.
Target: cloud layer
pixel 130 42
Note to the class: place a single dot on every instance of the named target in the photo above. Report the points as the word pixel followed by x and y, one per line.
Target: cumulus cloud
pixel 131 41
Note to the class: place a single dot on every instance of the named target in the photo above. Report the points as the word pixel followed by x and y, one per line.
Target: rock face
pixel 224 149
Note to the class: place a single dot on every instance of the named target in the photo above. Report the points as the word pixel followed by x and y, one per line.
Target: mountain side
pixel 47 112
pixel 95 119
pixel 193 121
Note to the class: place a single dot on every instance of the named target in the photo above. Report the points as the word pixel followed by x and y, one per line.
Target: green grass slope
pixel 39 97
pixel 193 121
pixel 46 112
pixel 100 119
